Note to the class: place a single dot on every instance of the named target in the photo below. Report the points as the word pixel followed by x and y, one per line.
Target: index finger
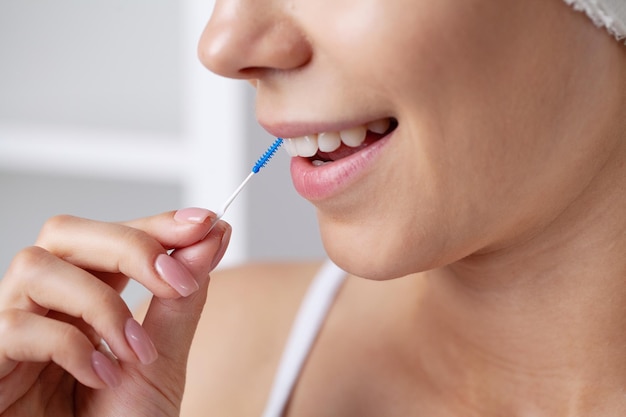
pixel 119 248
pixel 176 229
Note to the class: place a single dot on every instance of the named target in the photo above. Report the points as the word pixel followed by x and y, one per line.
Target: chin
pixel 375 252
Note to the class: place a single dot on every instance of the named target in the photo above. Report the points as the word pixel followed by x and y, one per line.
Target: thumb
pixel 171 323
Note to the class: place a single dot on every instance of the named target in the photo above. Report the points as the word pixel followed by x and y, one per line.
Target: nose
pixel 245 38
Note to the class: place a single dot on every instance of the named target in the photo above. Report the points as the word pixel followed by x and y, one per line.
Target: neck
pixel 538 327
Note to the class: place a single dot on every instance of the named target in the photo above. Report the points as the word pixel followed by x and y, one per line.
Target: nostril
pixel 251 73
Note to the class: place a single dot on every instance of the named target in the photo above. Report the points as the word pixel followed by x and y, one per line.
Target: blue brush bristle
pixel 259 164
pixel 267 155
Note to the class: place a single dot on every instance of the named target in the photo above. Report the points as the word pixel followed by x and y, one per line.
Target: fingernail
pixel 223 246
pixel 139 340
pixel 105 369
pixel 176 275
pixel 192 215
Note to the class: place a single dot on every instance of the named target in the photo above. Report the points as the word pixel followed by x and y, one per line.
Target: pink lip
pixel 323 182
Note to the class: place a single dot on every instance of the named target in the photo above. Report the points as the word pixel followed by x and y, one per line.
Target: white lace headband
pixel 610 14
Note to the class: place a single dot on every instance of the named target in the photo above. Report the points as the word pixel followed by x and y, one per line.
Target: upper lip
pixel 284 129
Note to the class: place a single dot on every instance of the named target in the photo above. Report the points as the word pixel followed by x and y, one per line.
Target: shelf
pixel 99 153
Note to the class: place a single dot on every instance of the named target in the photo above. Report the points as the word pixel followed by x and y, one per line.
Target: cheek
pixel 475 149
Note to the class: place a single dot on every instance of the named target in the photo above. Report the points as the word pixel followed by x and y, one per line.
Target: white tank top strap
pixel 311 315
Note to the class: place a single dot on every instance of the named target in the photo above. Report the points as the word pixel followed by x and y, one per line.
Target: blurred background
pixel 106 113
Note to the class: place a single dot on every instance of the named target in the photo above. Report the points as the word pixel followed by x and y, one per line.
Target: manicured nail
pixel 176 275
pixel 139 340
pixel 105 369
pixel 192 215
pixel 223 246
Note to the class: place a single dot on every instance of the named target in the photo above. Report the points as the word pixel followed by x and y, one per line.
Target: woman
pixel 478 186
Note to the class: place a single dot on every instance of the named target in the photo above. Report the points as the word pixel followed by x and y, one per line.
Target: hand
pixel 61 298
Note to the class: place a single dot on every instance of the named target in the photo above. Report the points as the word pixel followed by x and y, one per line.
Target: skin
pixel 504 227
pixel 60 297
pixel 508 171
pixel 495 95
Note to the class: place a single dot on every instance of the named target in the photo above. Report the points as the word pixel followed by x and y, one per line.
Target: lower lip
pixel 316 183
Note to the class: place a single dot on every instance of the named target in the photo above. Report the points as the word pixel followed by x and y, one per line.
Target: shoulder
pixel 240 337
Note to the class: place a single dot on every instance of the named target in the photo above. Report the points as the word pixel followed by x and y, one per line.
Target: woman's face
pixel 487 103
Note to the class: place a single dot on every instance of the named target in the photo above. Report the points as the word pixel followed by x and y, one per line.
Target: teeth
pixel 379 126
pixel 329 141
pixel 307 146
pixel 290 147
pixel 353 137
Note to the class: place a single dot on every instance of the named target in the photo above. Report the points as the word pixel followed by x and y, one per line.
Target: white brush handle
pixel 228 202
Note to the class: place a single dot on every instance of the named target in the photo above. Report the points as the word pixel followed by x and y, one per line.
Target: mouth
pixel 326 147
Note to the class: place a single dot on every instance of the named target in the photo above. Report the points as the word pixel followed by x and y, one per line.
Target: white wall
pixel 106 113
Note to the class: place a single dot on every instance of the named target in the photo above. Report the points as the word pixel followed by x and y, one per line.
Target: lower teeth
pixel 318 163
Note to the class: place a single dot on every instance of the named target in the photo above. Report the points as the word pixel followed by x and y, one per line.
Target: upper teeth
pixel 307 146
